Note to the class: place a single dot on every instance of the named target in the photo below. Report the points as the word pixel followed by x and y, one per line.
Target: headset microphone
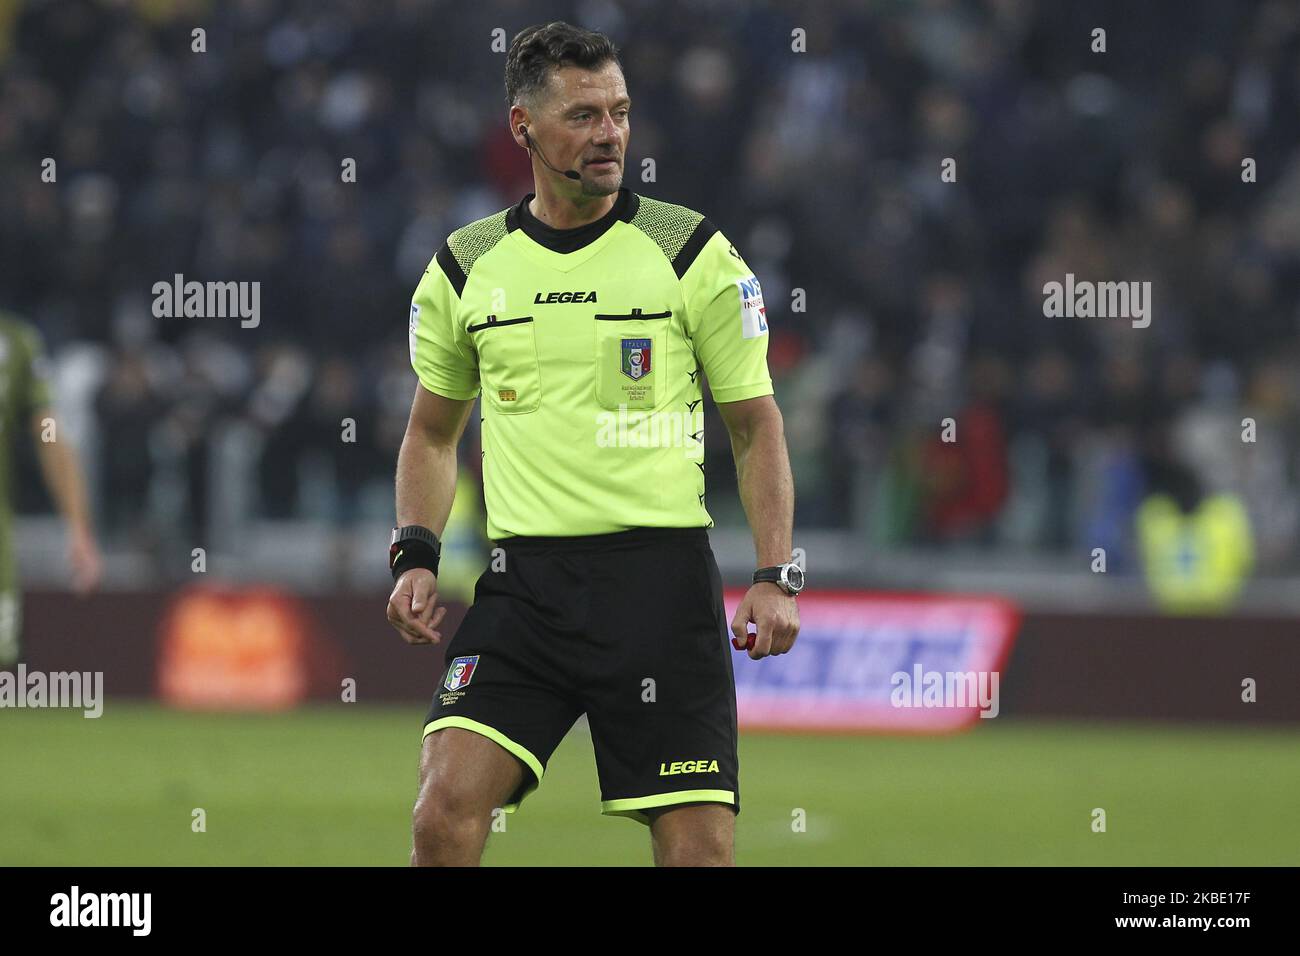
pixel 571 174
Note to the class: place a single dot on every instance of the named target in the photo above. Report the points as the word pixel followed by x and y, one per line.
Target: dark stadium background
pixel 923 301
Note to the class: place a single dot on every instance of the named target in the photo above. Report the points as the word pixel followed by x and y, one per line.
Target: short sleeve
pixel 727 322
pixel 441 354
pixel 38 390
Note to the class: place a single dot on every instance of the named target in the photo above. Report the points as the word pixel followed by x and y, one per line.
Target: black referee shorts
pixel 628 628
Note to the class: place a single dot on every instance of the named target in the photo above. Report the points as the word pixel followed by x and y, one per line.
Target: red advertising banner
pixel 234 649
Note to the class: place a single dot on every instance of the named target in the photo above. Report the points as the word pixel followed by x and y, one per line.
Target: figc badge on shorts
pixel 460 673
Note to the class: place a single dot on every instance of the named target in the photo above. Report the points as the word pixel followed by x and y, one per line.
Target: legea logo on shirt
pixel 753 314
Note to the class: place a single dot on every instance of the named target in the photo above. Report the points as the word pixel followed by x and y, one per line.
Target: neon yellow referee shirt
pixel 587 345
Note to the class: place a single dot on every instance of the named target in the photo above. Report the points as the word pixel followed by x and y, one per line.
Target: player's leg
pixel 693 834
pixel 661 697
pixel 486 745
pixel 11 607
pixel 503 706
pixel 464 777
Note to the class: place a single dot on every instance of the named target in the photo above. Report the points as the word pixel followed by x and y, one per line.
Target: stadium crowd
pixel 897 299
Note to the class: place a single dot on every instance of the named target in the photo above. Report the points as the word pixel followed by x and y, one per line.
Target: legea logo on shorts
pixel 688 766
pixel 460 673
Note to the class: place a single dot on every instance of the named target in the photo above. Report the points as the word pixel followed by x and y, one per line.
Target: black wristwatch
pixel 413 546
pixel 788 577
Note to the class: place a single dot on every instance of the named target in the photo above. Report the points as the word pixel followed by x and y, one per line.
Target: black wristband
pixel 418 550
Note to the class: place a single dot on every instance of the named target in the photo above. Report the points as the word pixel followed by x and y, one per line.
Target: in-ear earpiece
pixel 567 173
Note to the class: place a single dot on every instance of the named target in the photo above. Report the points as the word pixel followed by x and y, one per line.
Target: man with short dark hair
pixel 585 315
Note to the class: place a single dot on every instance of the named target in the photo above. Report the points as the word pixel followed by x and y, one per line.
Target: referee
pixel 585 315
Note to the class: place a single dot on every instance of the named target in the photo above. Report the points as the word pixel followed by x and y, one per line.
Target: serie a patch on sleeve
pixel 753 314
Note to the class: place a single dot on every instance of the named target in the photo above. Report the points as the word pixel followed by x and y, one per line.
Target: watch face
pixel 793 575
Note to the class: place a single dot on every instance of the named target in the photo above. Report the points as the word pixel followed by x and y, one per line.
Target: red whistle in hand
pixel 748 643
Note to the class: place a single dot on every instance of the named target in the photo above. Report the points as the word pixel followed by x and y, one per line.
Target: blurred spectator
pixel 966 472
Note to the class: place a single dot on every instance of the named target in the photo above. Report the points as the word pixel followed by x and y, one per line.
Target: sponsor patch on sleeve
pixel 414 324
pixel 753 314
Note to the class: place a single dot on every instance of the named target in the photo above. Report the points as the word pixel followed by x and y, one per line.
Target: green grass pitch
pixel 334 785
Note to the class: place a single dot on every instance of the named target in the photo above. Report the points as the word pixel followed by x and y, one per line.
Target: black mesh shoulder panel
pixel 680 232
pixel 471 241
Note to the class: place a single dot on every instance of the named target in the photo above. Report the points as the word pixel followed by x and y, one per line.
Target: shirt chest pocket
pixel 631 358
pixel 507 363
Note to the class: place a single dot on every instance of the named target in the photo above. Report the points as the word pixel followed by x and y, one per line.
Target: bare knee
pixel 714 851
pixel 463 778
pixel 695 837
pixel 448 828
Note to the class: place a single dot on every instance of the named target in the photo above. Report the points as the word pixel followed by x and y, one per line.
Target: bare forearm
pixel 62 473
pixel 426 482
pixel 766 489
